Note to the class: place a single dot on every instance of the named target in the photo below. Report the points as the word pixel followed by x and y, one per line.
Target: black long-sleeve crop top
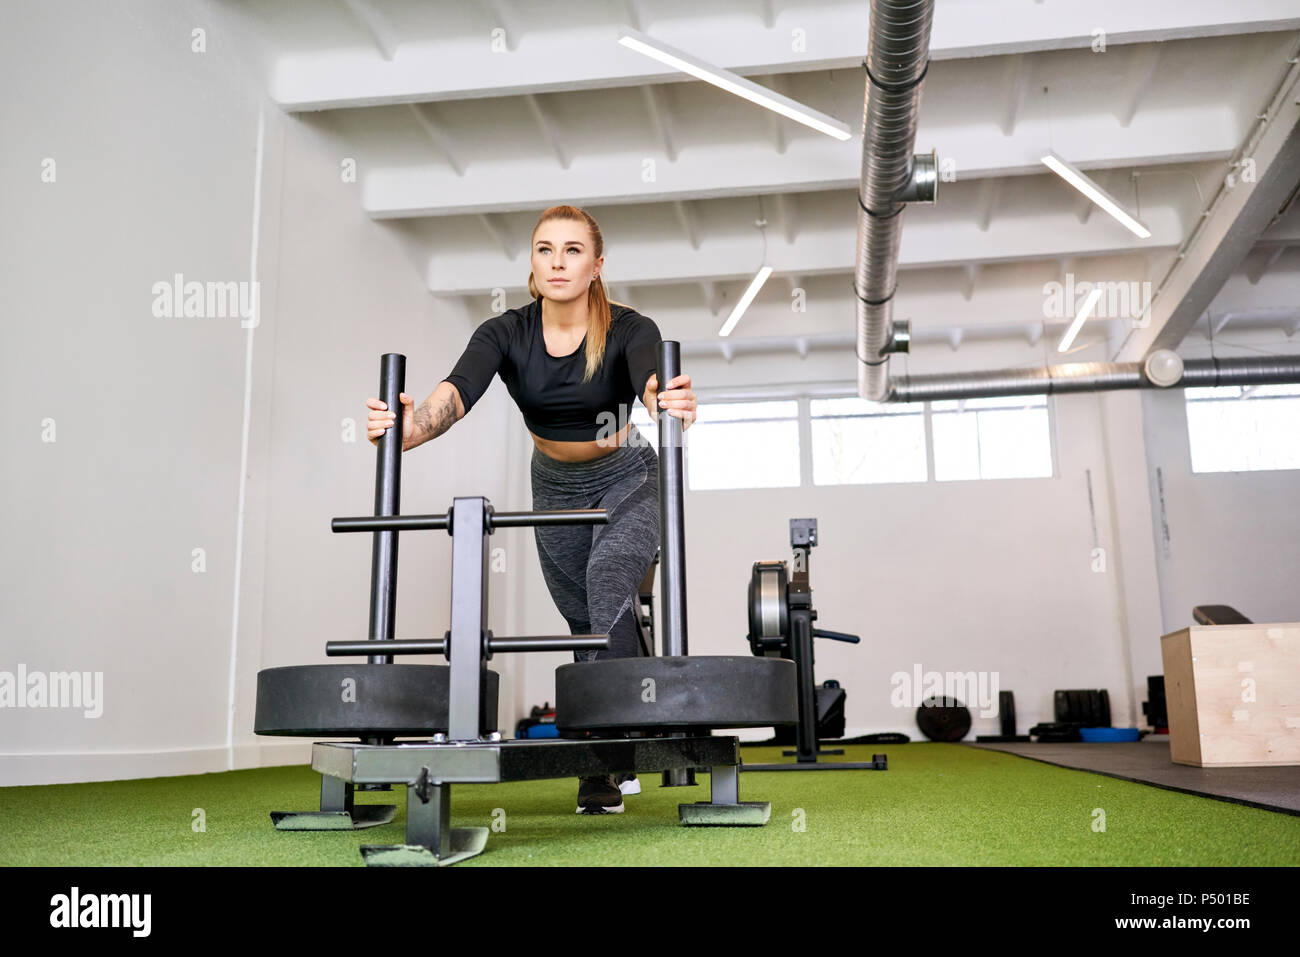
pixel 548 389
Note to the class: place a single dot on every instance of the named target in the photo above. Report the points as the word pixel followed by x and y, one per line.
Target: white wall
pixel 158 167
pixel 153 147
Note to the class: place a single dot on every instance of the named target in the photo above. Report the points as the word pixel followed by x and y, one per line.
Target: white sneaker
pixel 628 784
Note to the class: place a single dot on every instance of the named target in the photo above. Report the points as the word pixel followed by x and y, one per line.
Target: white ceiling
pixel 467 119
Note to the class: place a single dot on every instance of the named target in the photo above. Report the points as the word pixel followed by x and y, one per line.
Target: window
pixel 1244 428
pixel 855 441
pixel 738 444
pixel 991 438
pixel 756 444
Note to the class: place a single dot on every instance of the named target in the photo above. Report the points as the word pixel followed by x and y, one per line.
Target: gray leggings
pixel 593 571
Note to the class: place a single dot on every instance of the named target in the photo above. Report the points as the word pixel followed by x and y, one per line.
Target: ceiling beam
pixel 990 190
pixel 1268 259
pixel 805 343
pixel 502 236
pixel 1237 216
pixel 660 119
pixel 1084 206
pixel 1286 229
pixel 787 216
pixel 732 346
pixel 441 138
pixel 928 242
pixel 778 124
pixel 505 18
pixel 383 35
pixel 549 129
pixel 1013 91
pixel 710 170
pixel 690 222
pixel 587 56
pixel 632 12
pixel 712 296
pixel 1146 60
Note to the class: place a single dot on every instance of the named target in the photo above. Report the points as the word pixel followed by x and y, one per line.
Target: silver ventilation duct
pixel 1093 377
pixel 897 56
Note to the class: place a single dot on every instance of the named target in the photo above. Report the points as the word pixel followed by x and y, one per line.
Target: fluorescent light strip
pixel 1085 311
pixel 755 285
pixel 732 83
pixel 1076 178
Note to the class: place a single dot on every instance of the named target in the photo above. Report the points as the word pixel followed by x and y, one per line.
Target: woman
pixel 573 364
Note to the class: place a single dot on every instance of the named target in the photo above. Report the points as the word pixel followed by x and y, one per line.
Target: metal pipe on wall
pixel 1093 377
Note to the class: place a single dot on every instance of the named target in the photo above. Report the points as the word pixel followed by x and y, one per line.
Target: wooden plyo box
pixel 1233 694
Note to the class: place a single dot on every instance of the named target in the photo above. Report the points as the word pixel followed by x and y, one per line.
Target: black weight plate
pixel 943 719
pixel 1080 706
pixel 726 691
pixel 387 700
pixel 1007 713
pixel 1061 705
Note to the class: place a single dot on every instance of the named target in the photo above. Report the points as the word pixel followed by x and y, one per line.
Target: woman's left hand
pixel 677 398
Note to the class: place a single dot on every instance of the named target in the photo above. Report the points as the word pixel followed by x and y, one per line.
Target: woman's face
pixel 563 260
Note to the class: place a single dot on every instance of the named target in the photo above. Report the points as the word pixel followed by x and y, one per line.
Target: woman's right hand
pixel 380 419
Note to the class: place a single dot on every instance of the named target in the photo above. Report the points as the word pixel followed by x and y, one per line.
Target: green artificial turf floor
pixel 938 804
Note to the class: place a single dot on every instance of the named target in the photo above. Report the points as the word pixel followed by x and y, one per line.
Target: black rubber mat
pixel 1147 762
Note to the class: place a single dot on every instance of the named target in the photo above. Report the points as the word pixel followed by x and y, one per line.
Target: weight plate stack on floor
pixel 359 699
pixel 675 693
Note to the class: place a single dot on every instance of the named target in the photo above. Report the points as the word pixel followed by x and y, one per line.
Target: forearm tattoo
pixel 434 417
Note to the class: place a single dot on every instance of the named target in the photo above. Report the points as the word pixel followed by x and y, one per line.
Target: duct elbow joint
pixel 922 186
pixel 900 337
